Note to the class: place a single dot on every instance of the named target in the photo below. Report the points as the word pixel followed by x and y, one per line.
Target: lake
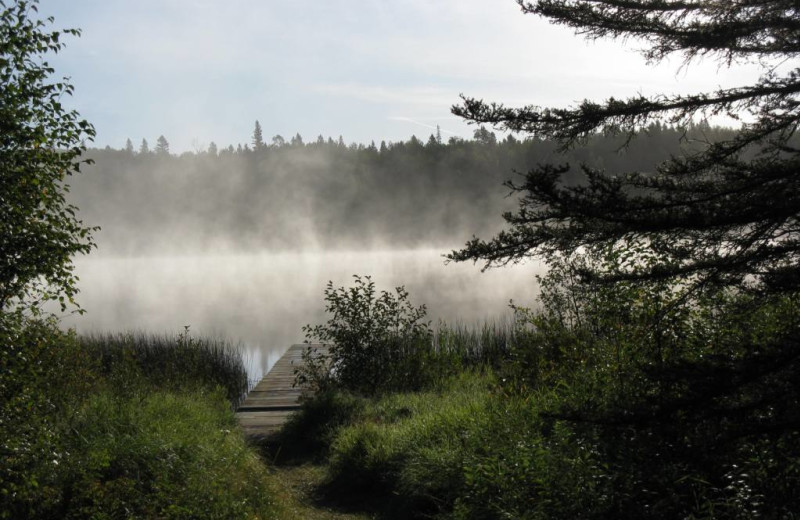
pixel 262 300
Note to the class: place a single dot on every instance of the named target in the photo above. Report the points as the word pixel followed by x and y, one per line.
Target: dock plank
pixel 270 403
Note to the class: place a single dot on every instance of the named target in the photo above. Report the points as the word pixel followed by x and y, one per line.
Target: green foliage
pixel 457 347
pixel 378 343
pixel 523 466
pixel 165 455
pixel 637 400
pixel 43 374
pixel 694 384
pixel 40 146
pixel 409 448
pixel 371 338
pixel 94 430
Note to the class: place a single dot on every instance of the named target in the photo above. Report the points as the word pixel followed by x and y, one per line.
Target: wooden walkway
pixel 273 399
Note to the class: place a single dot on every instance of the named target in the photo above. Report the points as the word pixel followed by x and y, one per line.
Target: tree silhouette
pixel 258 137
pixel 725 214
pixel 484 136
pixel 144 148
pixel 162 145
pixel 40 145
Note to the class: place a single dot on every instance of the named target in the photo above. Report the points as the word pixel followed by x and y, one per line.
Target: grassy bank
pixel 462 450
pixel 124 426
pixel 621 402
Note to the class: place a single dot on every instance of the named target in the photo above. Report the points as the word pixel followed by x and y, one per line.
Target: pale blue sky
pixel 198 71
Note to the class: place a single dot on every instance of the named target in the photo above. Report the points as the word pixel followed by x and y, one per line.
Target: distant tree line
pixel 293 194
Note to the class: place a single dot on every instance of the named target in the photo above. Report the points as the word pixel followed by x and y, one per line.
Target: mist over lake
pixel 263 299
pixel 240 243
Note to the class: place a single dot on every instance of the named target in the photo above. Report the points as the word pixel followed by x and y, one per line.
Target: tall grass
pixel 172 361
pixel 408 449
pixel 487 344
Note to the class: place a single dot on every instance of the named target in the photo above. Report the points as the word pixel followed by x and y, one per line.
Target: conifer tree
pixel 258 137
pixel 144 148
pixel 712 236
pixel 162 145
pixel 725 215
pixel 128 147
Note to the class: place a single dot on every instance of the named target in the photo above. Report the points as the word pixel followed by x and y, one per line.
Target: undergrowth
pixel 123 427
pixel 627 401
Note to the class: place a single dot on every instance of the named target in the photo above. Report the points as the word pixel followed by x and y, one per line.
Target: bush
pixel 625 401
pixel 675 391
pixel 44 374
pixel 376 341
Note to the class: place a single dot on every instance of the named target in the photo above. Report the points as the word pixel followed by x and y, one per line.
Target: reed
pixel 488 343
pixel 173 361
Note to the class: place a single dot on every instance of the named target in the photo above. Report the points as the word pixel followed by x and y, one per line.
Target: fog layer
pixel 263 299
pixel 240 243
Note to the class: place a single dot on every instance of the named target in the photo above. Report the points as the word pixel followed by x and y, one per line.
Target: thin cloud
pixel 431 96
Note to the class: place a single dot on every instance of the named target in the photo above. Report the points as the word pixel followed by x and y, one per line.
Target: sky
pixel 198 71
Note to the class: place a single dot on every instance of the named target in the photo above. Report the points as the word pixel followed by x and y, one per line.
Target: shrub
pixel 376 341
pixel 43 375
pixel 90 431
pixel 676 392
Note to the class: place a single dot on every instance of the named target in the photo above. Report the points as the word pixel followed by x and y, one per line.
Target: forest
pixel 325 194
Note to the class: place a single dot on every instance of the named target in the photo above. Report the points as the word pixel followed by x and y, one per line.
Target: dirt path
pixel 298 485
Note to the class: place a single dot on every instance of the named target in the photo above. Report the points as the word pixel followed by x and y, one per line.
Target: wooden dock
pixel 269 404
